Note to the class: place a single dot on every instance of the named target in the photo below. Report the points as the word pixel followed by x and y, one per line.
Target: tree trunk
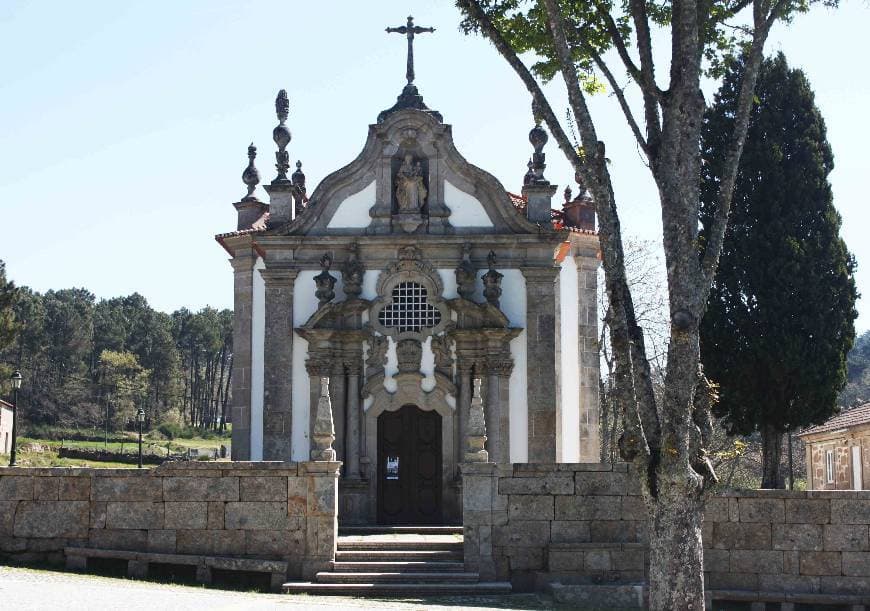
pixel 771 457
pixel 676 578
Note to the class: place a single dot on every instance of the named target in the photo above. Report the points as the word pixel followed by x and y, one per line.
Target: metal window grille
pixel 410 309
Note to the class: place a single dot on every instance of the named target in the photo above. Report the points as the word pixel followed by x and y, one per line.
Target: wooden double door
pixel 409 467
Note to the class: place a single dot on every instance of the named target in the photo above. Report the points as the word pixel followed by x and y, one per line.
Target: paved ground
pixel 29 589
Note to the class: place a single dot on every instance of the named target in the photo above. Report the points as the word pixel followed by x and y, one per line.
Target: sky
pixel 125 125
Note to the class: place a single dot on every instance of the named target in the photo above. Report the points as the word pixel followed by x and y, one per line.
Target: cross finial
pixel 410 30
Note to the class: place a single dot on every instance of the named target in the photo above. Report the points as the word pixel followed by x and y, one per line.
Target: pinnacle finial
pixel 538 138
pixel 251 177
pixel 281 135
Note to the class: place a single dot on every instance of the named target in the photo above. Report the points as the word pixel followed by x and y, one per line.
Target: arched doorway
pixel 409 467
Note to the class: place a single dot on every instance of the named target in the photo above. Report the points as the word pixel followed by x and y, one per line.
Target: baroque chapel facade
pixel 425 302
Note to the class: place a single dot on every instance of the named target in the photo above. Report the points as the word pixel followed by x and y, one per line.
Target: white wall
pixel 258 327
pixel 513 304
pixel 569 360
pixel 353 212
pixel 465 209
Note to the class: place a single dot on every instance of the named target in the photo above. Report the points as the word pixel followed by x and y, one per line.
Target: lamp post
pixel 140 418
pixel 16 384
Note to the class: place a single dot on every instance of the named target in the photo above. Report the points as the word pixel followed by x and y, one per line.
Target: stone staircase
pixel 399 561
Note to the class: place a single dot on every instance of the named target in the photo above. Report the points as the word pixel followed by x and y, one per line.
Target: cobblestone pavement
pixel 30 589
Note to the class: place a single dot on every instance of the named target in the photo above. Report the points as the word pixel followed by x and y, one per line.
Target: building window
pixel 829 466
pixel 410 309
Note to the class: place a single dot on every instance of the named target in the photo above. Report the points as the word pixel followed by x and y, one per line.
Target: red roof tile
pixel 853 417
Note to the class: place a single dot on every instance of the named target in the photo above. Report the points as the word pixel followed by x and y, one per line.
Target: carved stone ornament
pixel 353 273
pixel 409 353
pixel 443 357
pixel 251 177
pixel 492 282
pixel 466 274
pixel 475 438
pixel 325 281
pixel 281 135
pixel 411 194
pixel 324 428
pixel 377 357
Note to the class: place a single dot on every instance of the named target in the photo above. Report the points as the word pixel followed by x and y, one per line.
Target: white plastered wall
pixel 353 212
pixel 465 209
pixel 569 360
pixel 258 328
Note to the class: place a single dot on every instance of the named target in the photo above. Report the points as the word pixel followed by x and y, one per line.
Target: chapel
pixel 410 292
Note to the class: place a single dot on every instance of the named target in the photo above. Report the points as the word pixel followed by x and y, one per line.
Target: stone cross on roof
pixel 410 30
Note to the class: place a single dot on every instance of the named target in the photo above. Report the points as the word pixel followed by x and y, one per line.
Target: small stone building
pixel 5 427
pixel 416 283
pixel 838 451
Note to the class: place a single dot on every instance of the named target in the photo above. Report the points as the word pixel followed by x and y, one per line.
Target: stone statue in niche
pixel 409 353
pixel 410 191
pixel 353 273
pixel 325 281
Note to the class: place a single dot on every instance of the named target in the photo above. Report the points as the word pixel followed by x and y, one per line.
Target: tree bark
pixel 771 457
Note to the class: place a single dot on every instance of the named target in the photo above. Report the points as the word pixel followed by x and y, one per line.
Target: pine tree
pixel 8 297
pixel 780 317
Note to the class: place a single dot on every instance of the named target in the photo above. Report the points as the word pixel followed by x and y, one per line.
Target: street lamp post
pixel 16 384
pixel 140 418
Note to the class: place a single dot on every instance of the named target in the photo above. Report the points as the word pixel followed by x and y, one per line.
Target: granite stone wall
pixel 586 523
pixel 278 511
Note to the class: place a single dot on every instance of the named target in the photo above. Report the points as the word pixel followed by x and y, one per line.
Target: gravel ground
pixel 25 589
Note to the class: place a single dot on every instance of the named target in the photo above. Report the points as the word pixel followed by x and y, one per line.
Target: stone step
pixel 356 545
pixel 399 589
pixel 390 530
pixel 622 596
pixel 398 577
pixel 398 555
pixel 398 567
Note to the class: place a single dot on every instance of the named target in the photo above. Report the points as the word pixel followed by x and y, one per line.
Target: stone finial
pixel 567 194
pixel 281 135
pixel 409 354
pixel 536 189
pixel 325 281
pixel 466 274
pixel 538 138
pixel 475 436
pixel 251 177
pixel 492 281
pixel 298 180
pixel 324 428
pixel 353 273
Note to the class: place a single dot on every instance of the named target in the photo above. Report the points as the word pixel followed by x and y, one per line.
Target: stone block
pixel 587 508
pixel 565 560
pixel 187 515
pixel 46 488
pixel 297 496
pixel 717 560
pixel 477 493
pixel 856 564
pixel 797 537
pixel 597 560
pixel 846 537
pixel 262 488
pixel 533 533
pixel 274 543
pixel 756 561
pixel 215 515
pixel 716 509
pixel 612 531
pixel 7 516
pixel 633 508
pixel 573 531
pixel 793 584
pixel 791 562
pixel 808 511
pixel 142 488
pixel 730 581
pixel 321 537
pixel 210 542
pixel 627 560
pixel 737 535
pixel 16 488
pixel 600 483
pixel 525 558
pixel 12 544
pixel 98 514
pixel 322 496
pixel 530 507
pixel 105 538
pixel 821 563
pixel 271 515
pixel 762 510
pixel 51 519
pixel 134 515
pixel 74 488
pixel 556 483
pixel 850 511
pixel 845 585
pixel 201 489
pixel 161 541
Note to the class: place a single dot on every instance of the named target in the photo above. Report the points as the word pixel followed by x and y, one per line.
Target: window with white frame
pixel 829 466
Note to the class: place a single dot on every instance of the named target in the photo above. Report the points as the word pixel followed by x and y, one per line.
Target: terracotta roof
pixel 5 404
pixel 853 417
pixel 256 226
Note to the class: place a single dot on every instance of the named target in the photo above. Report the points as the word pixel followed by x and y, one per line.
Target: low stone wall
pixel 586 523
pixel 280 511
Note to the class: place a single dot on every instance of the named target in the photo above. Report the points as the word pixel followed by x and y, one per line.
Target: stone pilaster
pixel 337 382
pixel 498 372
pixel 587 338
pixel 277 362
pixel 463 371
pixel 352 429
pixel 541 362
pixel 243 294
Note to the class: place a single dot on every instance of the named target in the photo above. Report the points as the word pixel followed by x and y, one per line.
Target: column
pixel 318 364
pixel 587 338
pixel 541 362
pixel 243 294
pixel 352 429
pixel 492 411
pixel 277 362
pixel 337 393
pixel 498 408
pixel 463 405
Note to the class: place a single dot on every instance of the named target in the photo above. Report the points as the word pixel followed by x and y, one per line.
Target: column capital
pixel 540 275
pixel 276 276
pixel 319 365
pixel 243 261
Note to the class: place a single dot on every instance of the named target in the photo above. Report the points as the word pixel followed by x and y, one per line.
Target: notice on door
pixel 392 467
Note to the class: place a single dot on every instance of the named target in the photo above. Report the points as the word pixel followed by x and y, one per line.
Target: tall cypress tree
pixel 780 318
